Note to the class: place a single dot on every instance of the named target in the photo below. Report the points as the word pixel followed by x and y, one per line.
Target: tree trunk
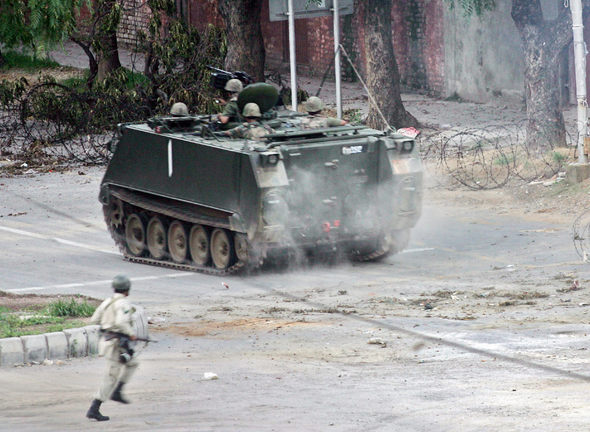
pixel 381 66
pixel 108 57
pixel 542 41
pixel 92 64
pixel 245 47
pixel 106 39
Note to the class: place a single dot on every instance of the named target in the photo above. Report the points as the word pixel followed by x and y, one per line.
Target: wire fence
pixel 51 122
pixel 491 157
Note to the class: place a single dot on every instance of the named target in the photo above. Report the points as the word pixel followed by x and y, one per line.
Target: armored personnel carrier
pixel 177 194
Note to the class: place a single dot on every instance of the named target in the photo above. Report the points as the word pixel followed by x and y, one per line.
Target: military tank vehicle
pixel 177 194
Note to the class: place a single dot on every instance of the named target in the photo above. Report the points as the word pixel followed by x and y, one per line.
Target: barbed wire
pixel 492 156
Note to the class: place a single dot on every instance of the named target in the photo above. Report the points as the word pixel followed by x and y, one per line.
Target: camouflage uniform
pixel 316 121
pixel 232 110
pixel 114 314
pixel 251 131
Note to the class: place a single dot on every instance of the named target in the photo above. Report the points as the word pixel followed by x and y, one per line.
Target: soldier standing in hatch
pixel 315 120
pixel 231 112
pixel 252 129
pixel 179 109
pixel 116 325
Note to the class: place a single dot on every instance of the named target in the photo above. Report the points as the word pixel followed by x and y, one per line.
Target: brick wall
pixel 203 12
pixel 135 18
pixel 417 37
pixel 418 40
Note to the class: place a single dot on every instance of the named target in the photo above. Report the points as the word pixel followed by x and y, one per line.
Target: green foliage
pixel 504 160
pixel 35 23
pixel 471 7
pixel 558 157
pixel 107 15
pixel 11 91
pixel 72 308
pixel 50 319
pixel 353 116
pixel 178 57
pixel 27 62
pixel 12 325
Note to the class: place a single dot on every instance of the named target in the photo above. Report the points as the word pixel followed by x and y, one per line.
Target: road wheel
pixel 241 246
pixel 115 213
pixel 156 237
pixel 199 245
pixel 177 241
pixel 221 249
pixel 135 235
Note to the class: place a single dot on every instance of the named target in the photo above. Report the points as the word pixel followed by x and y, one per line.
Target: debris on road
pixel 377 341
pixel 210 376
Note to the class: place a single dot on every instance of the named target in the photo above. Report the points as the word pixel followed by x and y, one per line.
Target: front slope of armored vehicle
pixel 177 195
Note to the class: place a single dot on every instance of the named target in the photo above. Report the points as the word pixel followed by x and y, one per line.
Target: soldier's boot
pixel 117 396
pixel 94 413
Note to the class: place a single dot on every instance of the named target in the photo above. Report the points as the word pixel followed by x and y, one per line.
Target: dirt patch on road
pixel 204 328
pixel 35 302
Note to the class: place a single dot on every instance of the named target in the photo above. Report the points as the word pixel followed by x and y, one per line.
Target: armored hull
pixel 176 194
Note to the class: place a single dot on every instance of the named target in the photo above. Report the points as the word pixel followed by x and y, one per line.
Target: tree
pixel 543 42
pixel 97 36
pixel 34 23
pixel 245 46
pixel 383 77
pixel 108 15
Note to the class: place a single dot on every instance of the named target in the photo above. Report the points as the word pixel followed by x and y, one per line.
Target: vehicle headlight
pixel 408 146
pixel 274 209
pixel 269 159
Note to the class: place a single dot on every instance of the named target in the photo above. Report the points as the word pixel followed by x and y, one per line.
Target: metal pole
pixel 292 60
pixel 580 62
pixel 337 57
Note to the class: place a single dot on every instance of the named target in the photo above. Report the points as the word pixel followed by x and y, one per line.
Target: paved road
pixel 291 345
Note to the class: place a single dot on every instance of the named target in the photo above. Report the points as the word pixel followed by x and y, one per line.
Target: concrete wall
pixel 483 55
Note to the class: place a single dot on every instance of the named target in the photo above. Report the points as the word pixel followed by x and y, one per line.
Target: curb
pixel 67 344
pixel 70 343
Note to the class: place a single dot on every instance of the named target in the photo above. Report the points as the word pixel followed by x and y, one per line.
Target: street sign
pixel 278 9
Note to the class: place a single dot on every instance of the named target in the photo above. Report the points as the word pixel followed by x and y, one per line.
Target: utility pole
pixel 336 7
pixel 292 59
pixel 580 64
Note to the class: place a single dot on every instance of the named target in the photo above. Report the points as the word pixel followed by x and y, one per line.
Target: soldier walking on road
pixel 117 328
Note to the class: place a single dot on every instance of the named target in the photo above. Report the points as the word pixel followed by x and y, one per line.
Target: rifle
pixel 124 343
pixel 108 335
pixel 219 77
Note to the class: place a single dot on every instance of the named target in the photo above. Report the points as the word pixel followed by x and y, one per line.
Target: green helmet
pixel 179 109
pixel 313 104
pixel 121 284
pixel 251 110
pixel 234 85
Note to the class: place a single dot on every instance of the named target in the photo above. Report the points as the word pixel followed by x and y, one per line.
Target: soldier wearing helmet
pixel 231 112
pixel 252 129
pixel 115 317
pixel 314 120
pixel 179 109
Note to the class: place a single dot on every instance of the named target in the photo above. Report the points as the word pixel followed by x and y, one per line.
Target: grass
pixel 56 316
pixel 26 62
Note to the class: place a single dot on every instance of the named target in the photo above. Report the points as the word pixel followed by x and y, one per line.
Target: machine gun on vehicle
pixel 219 77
